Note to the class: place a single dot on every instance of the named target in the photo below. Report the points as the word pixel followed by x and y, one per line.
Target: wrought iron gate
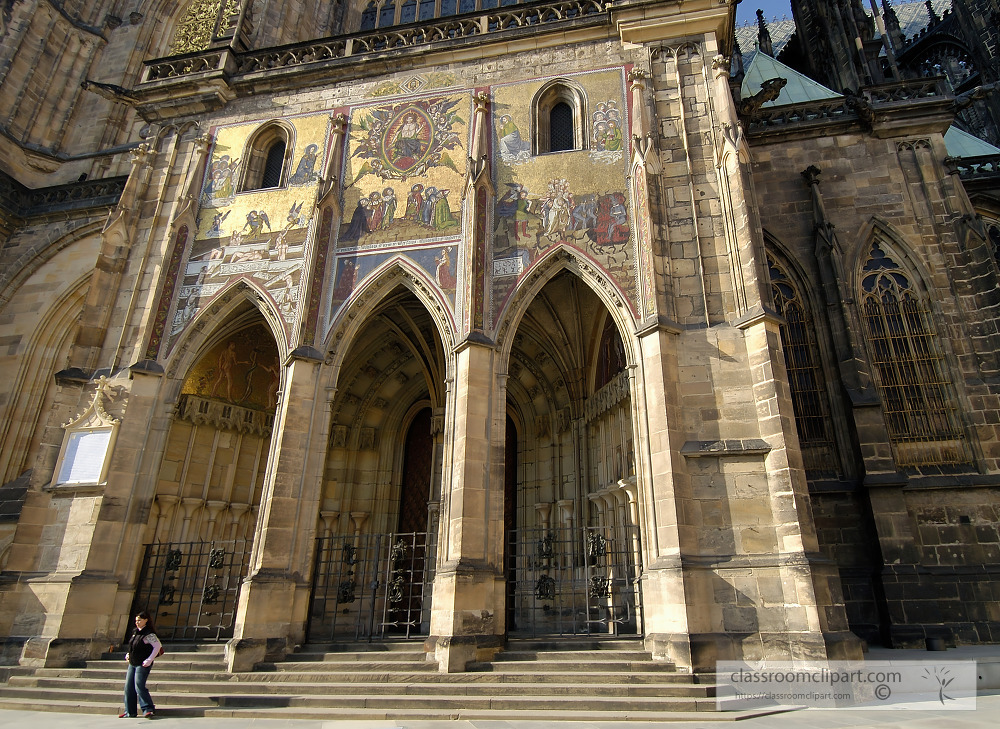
pixel 191 588
pixel 372 586
pixel 574 582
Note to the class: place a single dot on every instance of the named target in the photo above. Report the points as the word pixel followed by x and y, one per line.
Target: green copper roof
pixel 963 144
pixel 798 89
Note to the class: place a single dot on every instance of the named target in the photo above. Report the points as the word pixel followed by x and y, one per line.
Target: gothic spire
pixel 763 35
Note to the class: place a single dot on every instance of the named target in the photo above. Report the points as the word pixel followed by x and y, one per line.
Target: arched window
pixel 368 16
pixel 805 376
pixel 387 15
pixel 557 115
pixel 426 10
pixel 561 127
pixel 610 355
pixel 909 369
pixel 408 11
pixel 267 159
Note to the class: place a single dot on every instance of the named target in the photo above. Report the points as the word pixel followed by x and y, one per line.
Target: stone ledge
pixel 715 448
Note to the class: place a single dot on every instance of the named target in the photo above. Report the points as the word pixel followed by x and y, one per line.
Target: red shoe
pixel 148 715
pixel 126 715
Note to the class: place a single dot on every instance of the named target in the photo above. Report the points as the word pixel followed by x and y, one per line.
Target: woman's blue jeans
pixel 135 687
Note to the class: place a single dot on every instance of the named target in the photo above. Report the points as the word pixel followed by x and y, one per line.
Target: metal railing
pixel 191 589
pixel 371 587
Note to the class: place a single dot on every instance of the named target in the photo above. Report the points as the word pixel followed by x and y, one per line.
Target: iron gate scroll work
pixel 371 587
pixel 575 582
pixel 191 589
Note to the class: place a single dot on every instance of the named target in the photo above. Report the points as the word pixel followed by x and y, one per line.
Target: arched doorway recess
pixel 378 515
pixel 573 561
pixel 209 485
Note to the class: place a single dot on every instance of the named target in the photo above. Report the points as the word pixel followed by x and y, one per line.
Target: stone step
pixel 446 702
pixel 540 680
pixel 573 656
pixel 352 714
pixel 356 657
pixel 545 666
pixel 359 675
pixel 114 685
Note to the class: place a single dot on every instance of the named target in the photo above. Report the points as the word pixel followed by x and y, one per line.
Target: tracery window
pixel 267 159
pixel 388 13
pixel 805 376
pixel 909 369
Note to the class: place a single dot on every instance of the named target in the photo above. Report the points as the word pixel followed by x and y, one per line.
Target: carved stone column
pixel 467 618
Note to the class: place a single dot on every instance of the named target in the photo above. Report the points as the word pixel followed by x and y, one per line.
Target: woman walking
pixel 142 651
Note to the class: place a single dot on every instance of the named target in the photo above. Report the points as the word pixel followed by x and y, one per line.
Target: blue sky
pixel 747 10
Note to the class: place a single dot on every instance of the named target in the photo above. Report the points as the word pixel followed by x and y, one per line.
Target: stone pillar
pixel 273 603
pixel 467 617
pixel 661 483
pixel 812 623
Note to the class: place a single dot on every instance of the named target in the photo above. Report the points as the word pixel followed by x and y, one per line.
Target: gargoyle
pixel 769 91
pixel 964 101
pixel 109 91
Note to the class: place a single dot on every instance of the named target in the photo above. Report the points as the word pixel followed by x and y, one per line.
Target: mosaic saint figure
pixel 443 217
pixel 375 211
pixel 407 141
pixel 256 220
pixel 443 273
pixel 613 138
pixel 216 230
pixel 427 206
pixel 388 206
pixel 345 281
pixel 511 143
pixel 305 171
pixel 224 371
pixel 414 201
pixel 220 185
pixel 359 223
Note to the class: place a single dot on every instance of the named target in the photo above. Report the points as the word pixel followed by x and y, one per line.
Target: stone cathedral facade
pixel 450 321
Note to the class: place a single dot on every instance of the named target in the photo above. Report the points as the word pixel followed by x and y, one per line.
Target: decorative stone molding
pixel 607 397
pixel 87 445
pixel 225 416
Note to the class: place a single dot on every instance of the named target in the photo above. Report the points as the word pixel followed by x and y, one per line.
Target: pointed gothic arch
pixel 225 307
pixel 807 379
pixel 206 484
pixel 373 290
pixel 553 262
pixel 29 399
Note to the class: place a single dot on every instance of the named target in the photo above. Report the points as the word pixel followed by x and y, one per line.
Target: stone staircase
pixel 613 680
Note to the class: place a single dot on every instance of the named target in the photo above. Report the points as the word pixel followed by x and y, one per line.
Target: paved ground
pixel 986 716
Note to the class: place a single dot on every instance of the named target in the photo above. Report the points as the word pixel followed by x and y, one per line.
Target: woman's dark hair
pixel 144 614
